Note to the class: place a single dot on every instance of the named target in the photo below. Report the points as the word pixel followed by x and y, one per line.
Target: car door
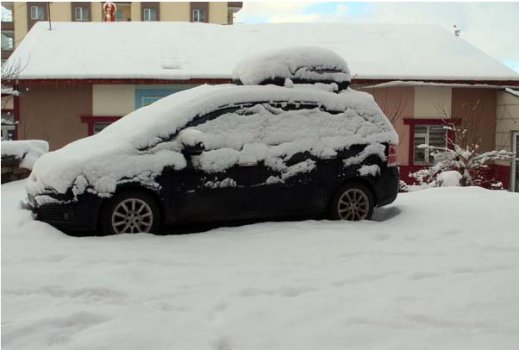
pixel 220 183
pixel 300 182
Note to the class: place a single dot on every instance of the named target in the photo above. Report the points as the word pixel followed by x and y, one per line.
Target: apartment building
pixel 19 17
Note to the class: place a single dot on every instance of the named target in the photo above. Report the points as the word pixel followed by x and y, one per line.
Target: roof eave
pixel 199 81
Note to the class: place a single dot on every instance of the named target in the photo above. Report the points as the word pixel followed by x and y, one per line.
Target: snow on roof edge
pixel 512 91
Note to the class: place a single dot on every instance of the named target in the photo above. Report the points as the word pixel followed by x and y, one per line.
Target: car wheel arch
pixel 360 180
pixel 132 187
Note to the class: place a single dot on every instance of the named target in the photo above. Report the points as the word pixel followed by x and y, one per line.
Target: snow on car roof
pixel 173 50
pixel 296 63
pixel 149 125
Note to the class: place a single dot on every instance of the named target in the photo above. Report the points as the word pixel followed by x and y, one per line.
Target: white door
pixel 515 161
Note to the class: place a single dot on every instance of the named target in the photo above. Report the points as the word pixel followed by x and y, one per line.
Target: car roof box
pixel 301 65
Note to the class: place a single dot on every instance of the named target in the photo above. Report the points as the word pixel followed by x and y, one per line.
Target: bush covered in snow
pixel 464 159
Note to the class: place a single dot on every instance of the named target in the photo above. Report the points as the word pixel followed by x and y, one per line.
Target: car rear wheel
pixel 353 202
pixel 130 212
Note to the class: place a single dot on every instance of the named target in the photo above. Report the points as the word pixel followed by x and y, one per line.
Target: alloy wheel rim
pixel 353 205
pixel 132 215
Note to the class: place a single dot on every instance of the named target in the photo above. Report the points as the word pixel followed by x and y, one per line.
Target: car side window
pixel 231 127
pixel 277 134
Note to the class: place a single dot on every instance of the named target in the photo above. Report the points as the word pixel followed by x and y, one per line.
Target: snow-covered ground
pixel 438 269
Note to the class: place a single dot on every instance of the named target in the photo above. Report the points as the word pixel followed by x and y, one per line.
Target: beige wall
pixel 218 12
pixel 174 11
pixel 61 11
pixel 20 22
pixel 113 100
pixel 136 11
pixel 507 114
pixel 432 102
pixel 97 11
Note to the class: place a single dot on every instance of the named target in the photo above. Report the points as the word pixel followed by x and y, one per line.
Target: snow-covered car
pixel 224 152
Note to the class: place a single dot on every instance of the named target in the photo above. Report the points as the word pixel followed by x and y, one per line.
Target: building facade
pixel 21 16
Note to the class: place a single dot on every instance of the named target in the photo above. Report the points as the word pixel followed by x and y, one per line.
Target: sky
pixel 492 27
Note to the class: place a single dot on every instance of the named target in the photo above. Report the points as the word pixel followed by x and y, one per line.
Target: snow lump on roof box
pixel 299 64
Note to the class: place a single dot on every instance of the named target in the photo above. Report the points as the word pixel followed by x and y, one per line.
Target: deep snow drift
pixel 438 269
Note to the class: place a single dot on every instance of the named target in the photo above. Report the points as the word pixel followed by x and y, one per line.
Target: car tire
pixel 130 212
pixel 353 202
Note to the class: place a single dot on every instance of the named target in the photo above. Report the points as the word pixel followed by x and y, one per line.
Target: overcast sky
pixel 492 27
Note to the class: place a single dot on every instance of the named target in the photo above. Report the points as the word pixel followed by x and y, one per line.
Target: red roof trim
pixel 200 81
pixel 123 81
pixel 432 121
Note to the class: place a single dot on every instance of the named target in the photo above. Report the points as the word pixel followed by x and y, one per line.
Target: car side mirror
pixel 192 142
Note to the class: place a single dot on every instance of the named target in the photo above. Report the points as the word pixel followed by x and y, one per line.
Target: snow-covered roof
pixel 174 50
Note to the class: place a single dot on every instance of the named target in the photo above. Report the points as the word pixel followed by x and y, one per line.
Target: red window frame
pixel 90 120
pixel 412 122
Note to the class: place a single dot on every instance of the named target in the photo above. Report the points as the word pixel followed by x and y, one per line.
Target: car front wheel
pixel 130 212
pixel 352 202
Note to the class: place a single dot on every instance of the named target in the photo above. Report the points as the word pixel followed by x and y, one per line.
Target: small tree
pixel 466 159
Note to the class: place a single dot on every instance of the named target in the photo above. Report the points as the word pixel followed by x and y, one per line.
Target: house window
pixel 431 135
pixel 149 14
pixel 98 126
pixel 8 125
pixel 198 15
pixel 37 13
pixel 7 12
pixel 146 96
pixel 81 14
pixel 97 123
pixel 7 40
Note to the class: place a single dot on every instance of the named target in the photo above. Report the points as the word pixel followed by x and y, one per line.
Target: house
pixel 78 77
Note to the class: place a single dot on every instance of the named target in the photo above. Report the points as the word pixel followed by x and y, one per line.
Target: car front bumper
pixel 80 215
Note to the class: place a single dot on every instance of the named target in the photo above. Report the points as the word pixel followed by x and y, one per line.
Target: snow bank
pixel 437 269
pixel 449 178
pixel 142 143
pixel 27 150
pixel 294 63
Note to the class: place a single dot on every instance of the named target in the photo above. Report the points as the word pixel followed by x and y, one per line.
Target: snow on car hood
pixel 127 150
